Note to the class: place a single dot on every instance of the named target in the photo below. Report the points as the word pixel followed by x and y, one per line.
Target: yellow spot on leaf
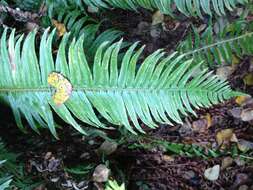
pixel 61 29
pixel 62 85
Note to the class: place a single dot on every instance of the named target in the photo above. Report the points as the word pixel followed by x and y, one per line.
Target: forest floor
pixel 166 158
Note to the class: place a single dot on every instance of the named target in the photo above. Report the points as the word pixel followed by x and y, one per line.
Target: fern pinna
pixel 162 90
pixel 187 7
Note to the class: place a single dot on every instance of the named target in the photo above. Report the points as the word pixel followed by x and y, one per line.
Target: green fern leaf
pixel 162 90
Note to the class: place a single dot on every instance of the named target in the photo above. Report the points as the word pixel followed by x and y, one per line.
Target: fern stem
pixel 87 89
pixel 6 90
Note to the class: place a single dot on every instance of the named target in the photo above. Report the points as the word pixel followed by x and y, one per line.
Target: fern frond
pixel 187 7
pixel 12 172
pixel 162 90
pixel 217 49
pixel 5 181
pixel 78 23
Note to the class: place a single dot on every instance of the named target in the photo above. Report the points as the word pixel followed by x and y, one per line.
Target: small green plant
pixel 113 185
pixel 12 173
pixel 5 181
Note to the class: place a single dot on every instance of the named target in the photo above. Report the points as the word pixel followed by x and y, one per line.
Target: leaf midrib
pixel 92 89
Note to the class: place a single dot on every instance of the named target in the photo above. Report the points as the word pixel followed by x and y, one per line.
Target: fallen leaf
pixel 248 79
pixel 107 147
pixel 209 120
pixel 63 87
pixel 168 158
pixel 236 112
pixel 157 18
pixel 101 173
pixel 243 187
pixel 60 27
pixel 155 32
pixel 189 175
pixel 235 60
pixel 224 72
pixel 241 178
pixel 226 162
pixel 247 114
pixel 239 161
pixel 48 155
pixel 225 136
pixel 241 99
pixel 99 186
pixel 213 173
pixel 54 180
pixel 204 123
pixel 234 138
pixel 200 125
pixel 244 145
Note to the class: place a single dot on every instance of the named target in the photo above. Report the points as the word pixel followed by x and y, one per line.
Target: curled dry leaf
pixel 248 79
pixel 209 120
pixel 224 137
pixel 61 29
pixel 226 162
pixel 189 175
pixel 239 161
pixel 241 179
pixel 247 114
pixel 236 112
pixel 235 61
pixel 240 100
pixel 48 155
pixel 101 173
pixel 107 148
pixel 224 72
pixel 168 158
pixel 202 124
pixel 213 173
pixel 157 18
pixel 243 187
pixel 244 145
